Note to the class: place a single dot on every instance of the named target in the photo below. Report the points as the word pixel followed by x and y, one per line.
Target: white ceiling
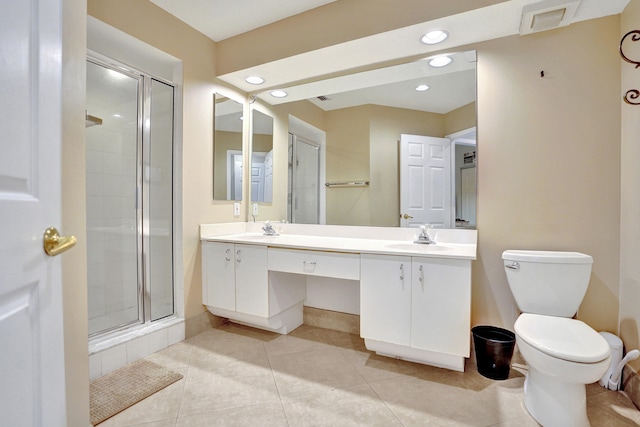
pixel 221 19
pixel 234 16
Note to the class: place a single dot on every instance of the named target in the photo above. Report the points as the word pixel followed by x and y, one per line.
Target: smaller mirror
pixel 261 157
pixel 227 148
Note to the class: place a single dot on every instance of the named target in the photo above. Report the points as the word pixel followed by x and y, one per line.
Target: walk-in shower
pixel 130 134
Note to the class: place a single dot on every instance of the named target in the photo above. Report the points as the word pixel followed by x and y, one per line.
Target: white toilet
pixel 563 354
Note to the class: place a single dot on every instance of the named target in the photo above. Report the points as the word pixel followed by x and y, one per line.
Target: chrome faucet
pixel 424 238
pixel 268 229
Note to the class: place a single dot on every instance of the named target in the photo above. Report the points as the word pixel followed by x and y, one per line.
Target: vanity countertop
pixel 459 244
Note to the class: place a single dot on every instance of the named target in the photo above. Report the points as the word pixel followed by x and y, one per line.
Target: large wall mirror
pixel 261 157
pixel 227 148
pixel 365 116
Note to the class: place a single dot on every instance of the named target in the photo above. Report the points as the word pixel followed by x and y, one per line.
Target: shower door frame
pixel 143 144
pixel 292 195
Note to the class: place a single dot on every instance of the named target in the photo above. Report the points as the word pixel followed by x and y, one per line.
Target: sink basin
pixel 417 247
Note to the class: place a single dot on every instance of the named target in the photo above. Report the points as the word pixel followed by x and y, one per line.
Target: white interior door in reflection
pixel 425 181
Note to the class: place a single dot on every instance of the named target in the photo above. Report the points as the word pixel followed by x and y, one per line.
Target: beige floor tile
pixel 263 415
pixel 240 376
pixel 314 371
pixel 175 357
pixel 352 406
pixel 229 385
pixel 230 342
pixel 442 398
pixel 160 408
pixel 611 408
pixel 162 423
pixel 373 367
pixel 304 338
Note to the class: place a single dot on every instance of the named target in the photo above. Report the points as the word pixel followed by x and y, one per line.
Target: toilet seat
pixel 562 337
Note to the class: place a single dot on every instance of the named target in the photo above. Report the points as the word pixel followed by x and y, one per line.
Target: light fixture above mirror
pixel 434 37
pixel 255 80
pixel 278 93
pixel 440 61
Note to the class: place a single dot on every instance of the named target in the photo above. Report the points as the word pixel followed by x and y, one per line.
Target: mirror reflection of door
pixel 304 181
pixel 425 181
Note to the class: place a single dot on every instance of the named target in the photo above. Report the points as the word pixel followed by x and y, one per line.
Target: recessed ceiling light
pixel 434 37
pixel 440 61
pixel 254 80
pixel 422 88
pixel 278 94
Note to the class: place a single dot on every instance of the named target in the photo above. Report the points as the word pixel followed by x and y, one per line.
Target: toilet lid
pixel 562 337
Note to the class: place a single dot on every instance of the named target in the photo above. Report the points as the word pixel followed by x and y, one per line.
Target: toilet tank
pixel 546 282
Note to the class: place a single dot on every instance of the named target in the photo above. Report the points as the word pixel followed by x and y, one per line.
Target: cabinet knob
pixel 401 271
pixel 238 255
pixel 228 255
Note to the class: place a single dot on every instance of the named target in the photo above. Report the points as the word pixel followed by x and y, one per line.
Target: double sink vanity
pixel 414 300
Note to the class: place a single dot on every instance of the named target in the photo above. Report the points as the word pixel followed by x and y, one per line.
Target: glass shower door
pixel 158 187
pixel 112 215
pixel 130 133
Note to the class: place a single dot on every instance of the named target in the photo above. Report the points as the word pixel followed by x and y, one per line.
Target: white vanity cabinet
pixel 235 278
pixel 385 298
pixel 414 301
pixel 416 308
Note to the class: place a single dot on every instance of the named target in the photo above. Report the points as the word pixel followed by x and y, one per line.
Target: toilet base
pixel 553 402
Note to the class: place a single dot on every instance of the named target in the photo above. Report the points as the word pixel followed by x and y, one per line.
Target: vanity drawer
pixel 315 263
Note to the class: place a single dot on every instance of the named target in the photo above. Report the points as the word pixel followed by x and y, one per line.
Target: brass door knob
pixel 54 244
pixel 406 216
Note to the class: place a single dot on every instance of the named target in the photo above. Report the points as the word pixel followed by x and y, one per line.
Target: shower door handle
pixel 54 244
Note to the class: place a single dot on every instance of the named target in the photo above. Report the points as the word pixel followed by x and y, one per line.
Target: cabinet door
pixel 385 298
pixel 252 280
pixel 218 277
pixel 441 305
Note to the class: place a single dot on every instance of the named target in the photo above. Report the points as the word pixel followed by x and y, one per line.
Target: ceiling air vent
pixel 546 15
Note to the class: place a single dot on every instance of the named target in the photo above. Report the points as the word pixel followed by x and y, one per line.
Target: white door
pixel 257 177
pixel 31 326
pixel 425 181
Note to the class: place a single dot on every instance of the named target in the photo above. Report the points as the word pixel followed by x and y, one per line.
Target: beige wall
pixel 549 161
pixel 74 262
pixel 630 195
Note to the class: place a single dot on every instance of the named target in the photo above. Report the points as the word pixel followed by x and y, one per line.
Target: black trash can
pixel 494 349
